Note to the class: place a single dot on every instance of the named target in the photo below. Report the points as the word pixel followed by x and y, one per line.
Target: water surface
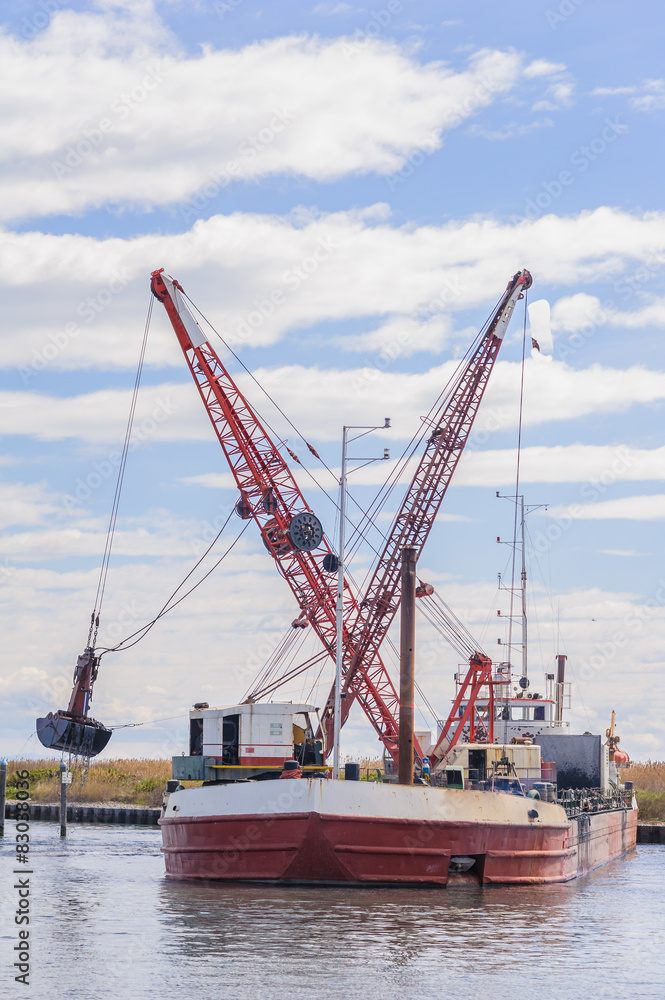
pixel 107 923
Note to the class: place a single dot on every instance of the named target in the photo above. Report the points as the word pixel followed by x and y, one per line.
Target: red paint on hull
pixel 313 847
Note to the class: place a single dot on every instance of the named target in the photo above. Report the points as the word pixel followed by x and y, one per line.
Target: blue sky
pixel 428 150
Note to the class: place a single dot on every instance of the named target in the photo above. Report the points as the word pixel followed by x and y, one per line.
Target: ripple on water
pixel 107 923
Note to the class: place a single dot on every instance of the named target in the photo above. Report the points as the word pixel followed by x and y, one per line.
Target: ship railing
pixel 580 800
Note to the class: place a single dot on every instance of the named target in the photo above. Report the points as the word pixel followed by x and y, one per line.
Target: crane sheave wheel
pixel 306 531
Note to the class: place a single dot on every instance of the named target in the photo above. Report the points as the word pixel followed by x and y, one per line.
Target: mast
pixel 523 583
pixel 339 645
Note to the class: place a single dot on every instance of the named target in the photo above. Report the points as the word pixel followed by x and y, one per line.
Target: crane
pixel 474 704
pixel 268 491
pixel 290 531
pixel 445 438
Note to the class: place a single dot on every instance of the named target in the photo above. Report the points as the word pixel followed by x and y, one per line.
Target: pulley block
pixel 276 539
pixel 306 531
pixel 330 563
pixel 243 509
pixel 270 502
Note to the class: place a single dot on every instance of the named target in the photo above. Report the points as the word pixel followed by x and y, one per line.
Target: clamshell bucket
pixel 82 736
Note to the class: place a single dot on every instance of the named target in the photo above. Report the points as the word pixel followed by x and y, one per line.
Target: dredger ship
pixel 496 815
pixel 504 793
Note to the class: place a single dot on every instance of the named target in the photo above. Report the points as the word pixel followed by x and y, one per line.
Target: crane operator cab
pixel 250 741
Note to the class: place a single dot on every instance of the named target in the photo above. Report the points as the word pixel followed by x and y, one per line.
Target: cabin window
pixel 477 764
pixel 522 714
pixel 230 739
pixel 195 737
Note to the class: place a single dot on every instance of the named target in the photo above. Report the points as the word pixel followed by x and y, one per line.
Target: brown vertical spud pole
pixel 406 665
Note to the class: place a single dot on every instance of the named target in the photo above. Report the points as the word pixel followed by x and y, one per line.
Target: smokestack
pixel 406 665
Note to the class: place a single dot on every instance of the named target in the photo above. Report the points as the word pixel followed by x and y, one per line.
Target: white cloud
pixel 120 115
pixel 558 95
pixel 327 9
pixel 576 463
pixel 639 508
pixel 543 67
pixel 173 411
pixel 627 553
pixel 653 98
pixel 580 311
pixel 27 504
pixel 599 466
pixel 510 130
pixel 650 95
pixel 399 337
pixel 73 301
pixel 612 91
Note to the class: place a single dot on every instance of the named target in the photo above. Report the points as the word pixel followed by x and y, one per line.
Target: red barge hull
pixel 387 835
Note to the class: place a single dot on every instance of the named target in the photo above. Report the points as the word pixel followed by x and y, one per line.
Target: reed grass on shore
pixel 141 781
pixel 649 780
pixel 648 777
pixel 136 781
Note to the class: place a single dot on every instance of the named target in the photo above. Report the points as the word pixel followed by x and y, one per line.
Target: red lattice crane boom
pixel 270 495
pixel 413 522
pixel 268 492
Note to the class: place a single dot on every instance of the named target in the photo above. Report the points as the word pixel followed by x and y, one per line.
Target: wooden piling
pixel 63 800
pixel 3 795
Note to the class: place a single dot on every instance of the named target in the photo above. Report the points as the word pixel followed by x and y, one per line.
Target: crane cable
pixel 359 531
pixel 517 489
pixel 313 451
pixel 167 607
pixel 110 533
pixel 517 484
pixel 411 448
